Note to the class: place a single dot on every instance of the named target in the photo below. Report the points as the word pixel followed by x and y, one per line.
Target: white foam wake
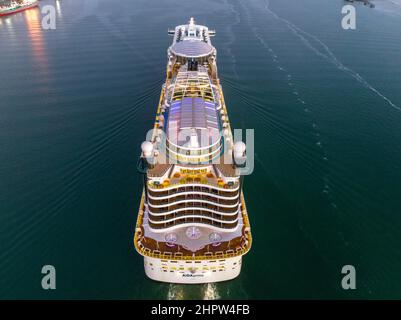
pixel 327 54
pixel 231 37
pixel 210 292
pixel 175 292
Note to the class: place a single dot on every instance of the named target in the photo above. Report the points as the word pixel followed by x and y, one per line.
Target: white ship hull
pixel 191 271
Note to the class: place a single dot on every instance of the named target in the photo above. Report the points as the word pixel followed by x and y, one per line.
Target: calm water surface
pixel 76 102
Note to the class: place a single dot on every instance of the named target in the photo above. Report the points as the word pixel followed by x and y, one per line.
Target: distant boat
pixel 365 2
pixel 15 7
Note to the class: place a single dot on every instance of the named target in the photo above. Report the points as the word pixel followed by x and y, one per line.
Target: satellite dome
pixel 147 148
pixel 239 147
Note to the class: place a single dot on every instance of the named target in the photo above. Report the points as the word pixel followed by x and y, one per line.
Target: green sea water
pixel 325 104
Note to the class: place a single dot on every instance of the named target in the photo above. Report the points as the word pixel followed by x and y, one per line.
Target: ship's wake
pixel 175 292
pixel 210 292
pixel 292 85
pixel 314 127
pixel 231 37
pixel 307 39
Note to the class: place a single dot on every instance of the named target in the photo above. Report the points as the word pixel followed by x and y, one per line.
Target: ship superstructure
pixel 192 224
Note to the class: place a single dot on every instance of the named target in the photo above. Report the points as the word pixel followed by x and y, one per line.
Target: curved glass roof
pixel 192 49
pixel 196 114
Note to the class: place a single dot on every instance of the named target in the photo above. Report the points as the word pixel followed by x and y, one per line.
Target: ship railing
pixel 206 208
pixel 180 256
pixel 227 225
pixel 193 214
pixel 194 183
pixel 194 198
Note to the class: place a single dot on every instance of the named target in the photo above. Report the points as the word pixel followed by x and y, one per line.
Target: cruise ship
pixel 192 224
pixel 15 7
